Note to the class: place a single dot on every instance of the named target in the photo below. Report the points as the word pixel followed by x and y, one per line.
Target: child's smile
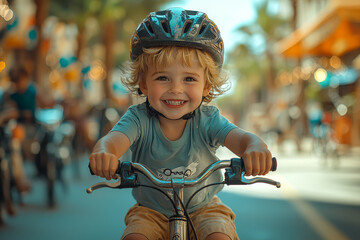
pixel 174 103
pixel 177 89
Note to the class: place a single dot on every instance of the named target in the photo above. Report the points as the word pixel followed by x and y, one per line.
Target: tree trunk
pixel 42 7
pixel 109 36
pixel 80 41
pixel 301 101
pixel 271 71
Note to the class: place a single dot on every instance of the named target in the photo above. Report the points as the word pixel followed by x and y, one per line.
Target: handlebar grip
pixel 91 172
pixel 274 164
pixel 117 171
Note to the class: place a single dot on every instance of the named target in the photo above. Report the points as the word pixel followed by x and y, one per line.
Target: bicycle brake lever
pixel 105 184
pixel 259 179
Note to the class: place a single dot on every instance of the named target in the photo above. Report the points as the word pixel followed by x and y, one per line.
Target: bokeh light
pixel 320 75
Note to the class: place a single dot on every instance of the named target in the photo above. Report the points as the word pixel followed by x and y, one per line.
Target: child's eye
pixel 162 78
pixel 190 79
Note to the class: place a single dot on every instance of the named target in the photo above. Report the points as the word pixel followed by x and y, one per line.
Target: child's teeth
pixel 175 102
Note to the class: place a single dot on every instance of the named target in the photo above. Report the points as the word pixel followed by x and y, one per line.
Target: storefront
pixel 334 34
pixel 336 31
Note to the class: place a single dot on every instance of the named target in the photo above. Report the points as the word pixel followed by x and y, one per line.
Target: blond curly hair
pixel 215 76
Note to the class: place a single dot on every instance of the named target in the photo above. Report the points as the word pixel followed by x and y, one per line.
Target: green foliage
pixel 125 13
pixel 253 60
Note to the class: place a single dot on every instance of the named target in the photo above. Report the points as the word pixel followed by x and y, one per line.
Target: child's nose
pixel 176 87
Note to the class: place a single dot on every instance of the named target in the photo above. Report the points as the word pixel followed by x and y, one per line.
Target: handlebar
pixel 234 175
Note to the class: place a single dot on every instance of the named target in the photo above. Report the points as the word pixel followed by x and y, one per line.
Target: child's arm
pixel 104 158
pixel 257 157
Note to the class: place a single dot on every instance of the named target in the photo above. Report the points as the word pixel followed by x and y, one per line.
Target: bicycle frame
pixel 234 175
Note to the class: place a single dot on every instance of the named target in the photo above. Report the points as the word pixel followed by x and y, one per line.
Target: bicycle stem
pixel 178 221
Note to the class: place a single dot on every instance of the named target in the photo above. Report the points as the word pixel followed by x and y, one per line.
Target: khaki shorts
pixel 214 217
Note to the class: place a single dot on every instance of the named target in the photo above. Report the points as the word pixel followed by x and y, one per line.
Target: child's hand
pixel 257 157
pixel 104 158
pixel 257 160
pixel 104 164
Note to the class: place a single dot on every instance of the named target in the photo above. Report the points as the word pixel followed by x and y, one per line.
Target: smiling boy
pixel 177 57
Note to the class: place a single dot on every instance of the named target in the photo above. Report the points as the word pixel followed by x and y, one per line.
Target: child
pixel 176 63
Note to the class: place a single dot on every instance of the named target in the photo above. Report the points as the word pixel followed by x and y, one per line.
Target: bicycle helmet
pixel 178 27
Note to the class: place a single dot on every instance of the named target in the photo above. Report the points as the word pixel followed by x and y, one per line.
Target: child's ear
pixel 206 90
pixel 143 87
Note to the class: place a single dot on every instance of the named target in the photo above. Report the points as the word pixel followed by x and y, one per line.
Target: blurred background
pixel 294 80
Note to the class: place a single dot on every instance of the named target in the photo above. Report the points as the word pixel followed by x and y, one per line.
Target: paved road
pixel 313 203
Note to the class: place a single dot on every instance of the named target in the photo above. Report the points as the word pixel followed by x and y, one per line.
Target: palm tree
pixel 269 27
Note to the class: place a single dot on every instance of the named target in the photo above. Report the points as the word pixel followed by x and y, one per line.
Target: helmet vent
pixel 165 26
pixel 149 27
pixel 203 26
pixel 187 26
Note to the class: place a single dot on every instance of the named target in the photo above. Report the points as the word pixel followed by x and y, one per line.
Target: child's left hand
pixel 257 160
pixel 254 151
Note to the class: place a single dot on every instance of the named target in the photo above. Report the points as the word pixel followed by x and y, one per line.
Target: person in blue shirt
pixel 21 103
pixel 24 95
pixel 177 58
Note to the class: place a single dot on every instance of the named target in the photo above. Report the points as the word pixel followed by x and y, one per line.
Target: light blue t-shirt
pixel 187 156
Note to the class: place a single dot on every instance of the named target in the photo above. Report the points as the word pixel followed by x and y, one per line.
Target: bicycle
pixel 234 175
pixel 54 138
pixel 6 200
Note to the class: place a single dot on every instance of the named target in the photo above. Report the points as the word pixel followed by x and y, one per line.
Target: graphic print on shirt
pixel 167 173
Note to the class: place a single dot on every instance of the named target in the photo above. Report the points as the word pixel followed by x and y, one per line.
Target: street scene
pixel 284 73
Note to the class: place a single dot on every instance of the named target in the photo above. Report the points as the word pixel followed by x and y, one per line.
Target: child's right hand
pixel 104 164
pixel 104 158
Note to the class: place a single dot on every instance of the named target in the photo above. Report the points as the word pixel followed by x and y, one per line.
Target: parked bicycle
pixel 127 175
pixel 13 180
pixel 325 146
pixel 6 203
pixel 55 141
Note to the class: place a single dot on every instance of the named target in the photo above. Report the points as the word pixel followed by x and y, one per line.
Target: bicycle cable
pixel 166 195
pixel 187 217
pixel 197 191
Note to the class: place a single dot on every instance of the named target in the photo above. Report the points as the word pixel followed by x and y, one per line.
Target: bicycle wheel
pixel 51 176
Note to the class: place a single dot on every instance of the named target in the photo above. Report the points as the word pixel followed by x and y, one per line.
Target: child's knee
pixel 135 236
pixel 218 236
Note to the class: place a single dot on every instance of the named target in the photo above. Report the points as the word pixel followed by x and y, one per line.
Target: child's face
pixel 177 89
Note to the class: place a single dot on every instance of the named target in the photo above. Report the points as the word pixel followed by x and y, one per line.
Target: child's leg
pixel 217 236
pixel 214 221
pixel 145 223
pixel 135 236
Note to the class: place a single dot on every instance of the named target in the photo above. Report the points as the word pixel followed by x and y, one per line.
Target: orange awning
pixel 335 32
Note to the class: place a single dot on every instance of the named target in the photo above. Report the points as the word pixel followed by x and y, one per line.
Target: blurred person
pixel 10 112
pixel 23 94
pixel 285 119
pixel 6 114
